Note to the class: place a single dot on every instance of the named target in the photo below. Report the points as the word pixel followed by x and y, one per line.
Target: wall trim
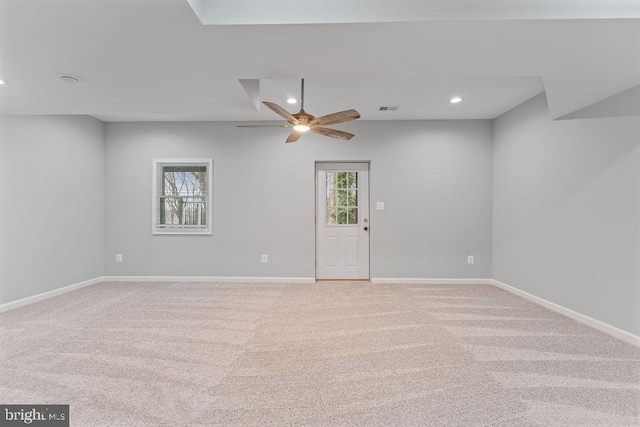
pixel 582 318
pixel 45 295
pixel 209 279
pixel 433 281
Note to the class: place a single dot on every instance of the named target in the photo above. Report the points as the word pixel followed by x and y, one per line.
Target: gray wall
pixel 566 209
pixel 51 203
pixel 434 177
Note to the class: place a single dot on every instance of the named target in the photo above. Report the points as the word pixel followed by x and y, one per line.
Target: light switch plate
pixel 380 206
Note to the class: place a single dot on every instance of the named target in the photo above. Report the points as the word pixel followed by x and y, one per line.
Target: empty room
pixel 354 212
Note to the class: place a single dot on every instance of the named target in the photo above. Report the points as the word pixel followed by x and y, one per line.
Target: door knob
pixel 366 228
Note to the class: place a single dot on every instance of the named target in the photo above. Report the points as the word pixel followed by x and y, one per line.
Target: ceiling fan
pixel 302 121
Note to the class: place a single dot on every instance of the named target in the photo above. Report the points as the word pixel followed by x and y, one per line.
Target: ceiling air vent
pixel 388 108
pixel 68 79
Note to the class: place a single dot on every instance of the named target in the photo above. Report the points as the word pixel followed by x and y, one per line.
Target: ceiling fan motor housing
pixel 303 117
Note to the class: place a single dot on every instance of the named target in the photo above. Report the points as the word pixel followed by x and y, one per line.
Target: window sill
pixel 182 232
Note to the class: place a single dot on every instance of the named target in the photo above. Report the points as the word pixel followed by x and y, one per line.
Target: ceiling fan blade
pixel 335 118
pixel 333 133
pixel 294 136
pixel 263 126
pixel 281 112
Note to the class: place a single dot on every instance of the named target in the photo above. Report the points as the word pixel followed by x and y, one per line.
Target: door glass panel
pixel 342 216
pixel 332 197
pixel 352 217
pixel 352 197
pixel 331 180
pixel 342 198
pixel 331 216
pixel 352 180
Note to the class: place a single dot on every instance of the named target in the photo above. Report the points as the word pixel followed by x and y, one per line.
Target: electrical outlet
pixel 118 257
pixel 265 258
pixel 470 259
pixel 379 206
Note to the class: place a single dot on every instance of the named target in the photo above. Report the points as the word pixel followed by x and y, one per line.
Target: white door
pixel 342 221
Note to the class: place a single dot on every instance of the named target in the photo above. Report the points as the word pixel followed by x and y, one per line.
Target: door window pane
pixel 331 216
pixel 331 180
pixel 352 217
pixel 352 181
pixel 342 216
pixel 332 197
pixel 352 197
pixel 342 198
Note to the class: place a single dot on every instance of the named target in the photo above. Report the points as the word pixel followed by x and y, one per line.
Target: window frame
pixel 156 228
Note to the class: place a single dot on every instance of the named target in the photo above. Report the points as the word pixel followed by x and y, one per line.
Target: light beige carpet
pixel 174 354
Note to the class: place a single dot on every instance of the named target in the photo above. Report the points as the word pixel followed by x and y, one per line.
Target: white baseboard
pixel 434 281
pixel 589 321
pixel 35 298
pixel 209 279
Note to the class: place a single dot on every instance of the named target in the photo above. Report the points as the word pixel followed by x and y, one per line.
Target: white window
pixel 182 196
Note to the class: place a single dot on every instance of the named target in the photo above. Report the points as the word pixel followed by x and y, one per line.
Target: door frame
pixel 315 209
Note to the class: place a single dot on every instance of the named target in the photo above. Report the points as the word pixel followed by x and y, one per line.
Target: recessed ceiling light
pixel 455 100
pixel 292 101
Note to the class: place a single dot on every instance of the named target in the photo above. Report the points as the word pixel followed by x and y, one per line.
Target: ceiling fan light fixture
pixel 301 128
pixel 292 101
pixel 455 100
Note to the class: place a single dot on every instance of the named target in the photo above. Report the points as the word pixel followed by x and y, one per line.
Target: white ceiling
pixel 154 60
pixel 485 97
pixel 252 12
